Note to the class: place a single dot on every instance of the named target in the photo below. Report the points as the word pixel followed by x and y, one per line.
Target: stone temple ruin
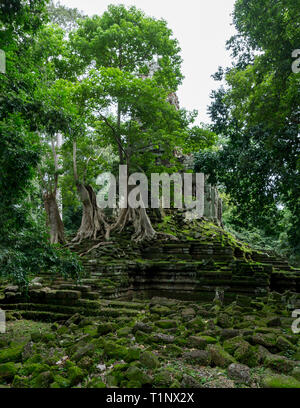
pixel 203 263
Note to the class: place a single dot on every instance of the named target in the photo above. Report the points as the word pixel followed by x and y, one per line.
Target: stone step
pixel 90 295
pixel 126 305
pixel 60 312
pixel 69 286
pixel 41 315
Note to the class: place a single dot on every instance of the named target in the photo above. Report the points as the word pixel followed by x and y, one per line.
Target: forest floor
pixel 157 343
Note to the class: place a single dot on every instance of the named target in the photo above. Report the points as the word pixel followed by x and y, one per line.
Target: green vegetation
pixel 127 350
pixel 256 115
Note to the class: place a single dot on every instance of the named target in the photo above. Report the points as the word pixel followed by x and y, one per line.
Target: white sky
pixel 201 27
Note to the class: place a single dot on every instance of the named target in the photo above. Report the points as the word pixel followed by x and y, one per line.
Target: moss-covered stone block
pixel 20 382
pixel 85 350
pixel 172 350
pixel 232 344
pixel 114 350
pixel 283 344
pixel 124 332
pixel 8 370
pixel 149 360
pixel 197 324
pixel 166 324
pixel 279 363
pixel 42 380
pixel 60 382
pixel 199 357
pixel 136 374
pixel 219 357
pixel 34 368
pixel 96 383
pixel 133 354
pixel 163 378
pixel 200 342
pixel 105 328
pixel 279 381
pixel 11 354
pixel 75 374
pixel 224 321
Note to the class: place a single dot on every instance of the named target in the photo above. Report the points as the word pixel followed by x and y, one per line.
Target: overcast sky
pixel 201 27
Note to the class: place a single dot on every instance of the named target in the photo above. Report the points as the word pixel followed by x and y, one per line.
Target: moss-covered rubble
pixel 164 343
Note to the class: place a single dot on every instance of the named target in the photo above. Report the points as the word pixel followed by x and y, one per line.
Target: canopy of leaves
pixel 258 114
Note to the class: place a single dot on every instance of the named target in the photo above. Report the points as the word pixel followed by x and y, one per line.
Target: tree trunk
pixel 93 223
pixel 54 221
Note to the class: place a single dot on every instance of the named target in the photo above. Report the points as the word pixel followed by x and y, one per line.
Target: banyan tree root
pixel 95 247
pixel 141 222
pixel 93 223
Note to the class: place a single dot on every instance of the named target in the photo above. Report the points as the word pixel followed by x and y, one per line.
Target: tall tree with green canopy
pixel 19 23
pixel 24 249
pixel 51 119
pixel 63 16
pixel 258 112
pixel 136 66
pixel 122 44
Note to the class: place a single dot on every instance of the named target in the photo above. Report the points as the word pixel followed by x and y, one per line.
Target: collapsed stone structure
pixel 204 262
pixel 205 259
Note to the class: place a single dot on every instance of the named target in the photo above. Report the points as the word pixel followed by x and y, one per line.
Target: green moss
pixel 149 360
pixel 163 378
pixel 60 382
pixel 75 374
pixel 197 323
pixel 142 337
pixel 124 332
pixel 161 310
pixel 284 344
pixel 296 373
pixel 279 363
pixel 232 344
pixel 34 368
pixel 133 384
pixel 112 349
pixel 11 354
pixel 85 350
pixel 132 354
pixel 96 383
pixel 136 374
pixel 246 354
pixel 105 328
pixel 36 358
pixel 279 381
pixel 166 324
pixel 20 382
pixel 117 375
pixel 220 357
pixel 201 342
pixel 91 330
pixel 172 350
pixel 42 380
pixel 8 370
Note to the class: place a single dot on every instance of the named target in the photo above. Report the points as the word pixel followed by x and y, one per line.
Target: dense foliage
pixel 257 114
pixel 82 95
pixel 24 246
